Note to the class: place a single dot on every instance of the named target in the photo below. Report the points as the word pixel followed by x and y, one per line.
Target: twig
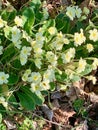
pixel 52 122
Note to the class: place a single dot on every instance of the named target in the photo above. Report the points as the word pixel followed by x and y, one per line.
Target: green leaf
pixel 75 78
pixel 36 2
pixel 52 86
pixel 29 18
pixel 78 104
pixel 48 24
pixel 8 16
pixel 2 110
pixel 0 118
pixel 5 15
pixel 61 77
pixel 12 15
pixel 87 70
pixel 16 64
pixel 27 101
pixel 63 23
pixel 13 79
pixel 79 25
pixel 37 98
pixel 81 52
pixel 58 76
pixel 9 51
pixel 12 100
pixel 4 88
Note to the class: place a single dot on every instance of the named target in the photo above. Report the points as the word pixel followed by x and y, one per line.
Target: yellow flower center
pixel 3 78
pixel 94 34
pixel 35 77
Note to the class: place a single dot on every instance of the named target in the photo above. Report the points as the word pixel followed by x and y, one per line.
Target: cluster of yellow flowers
pixel 49 50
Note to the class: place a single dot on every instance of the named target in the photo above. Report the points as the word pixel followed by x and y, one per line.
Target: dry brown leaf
pixel 93 98
pixel 71 93
pixel 61 115
pixel 55 103
pixel 82 126
pixel 10 125
pixel 47 111
pixel 56 95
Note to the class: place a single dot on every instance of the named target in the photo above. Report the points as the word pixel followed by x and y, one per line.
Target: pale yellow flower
pixel 93 35
pixel 18 21
pixel 16 34
pixel 89 47
pixel 25 77
pixel 86 10
pixel 3 102
pixel 92 78
pixel 78 11
pixel 23 59
pixel 3 78
pixel 81 66
pixel 79 38
pixel 2 22
pixel 66 41
pixel 35 77
pixel 35 88
pixel 60 37
pixel 67 57
pixel 72 52
pixel 52 30
pixel 70 12
pixel 95 64
pixel 25 35
pixel 40 38
pixel 7 30
pixel 58 45
pixel 38 62
pixel 37 49
pixel 52 58
pixel 69 73
pixel 26 74
pixel 28 71
pixel 45 85
pixel 49 75
pixel 26 51
pixel 33 43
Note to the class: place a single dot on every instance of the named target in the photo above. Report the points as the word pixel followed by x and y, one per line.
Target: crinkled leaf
pixel 26 100
pixel 63 23
pixel 13 79
pixel 12 100
pixel 9 51
pixel 87 70
pixel 75 78
pixel 38 99
pixel 16 64
pixel 29 18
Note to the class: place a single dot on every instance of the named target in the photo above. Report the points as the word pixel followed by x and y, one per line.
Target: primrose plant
pixel 38 53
